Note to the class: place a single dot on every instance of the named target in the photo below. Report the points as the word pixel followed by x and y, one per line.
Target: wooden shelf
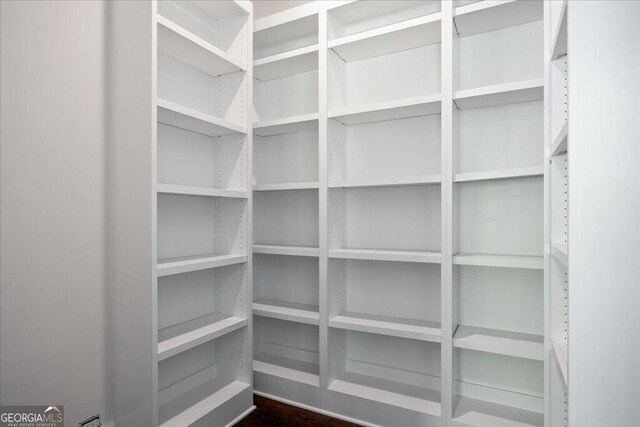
pixel 410 34
pixel 560 356
pixel 286 250
pixel 413 107
pixel 282 310
pixel 508 261
pixel 387 255
pixel 286 64
pixel 183 342
pixel 499 174
pixel 187 190
pixel 384 325
pixel 392 393
pixel 287 186
pixel 288 369
pixel 473 412
pixel 559 44
pixel 303 122
pixel 177 42
pixel 485 16
pixel 175 115
pixel 507 93
pixel 559 252
pixel 559 144
pixel 500 342
pixel 172 266
pixel 387 181
pixel 204 406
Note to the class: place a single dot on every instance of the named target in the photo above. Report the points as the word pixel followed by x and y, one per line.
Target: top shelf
pixel 271 37
pixel 559 46
pixel 491 15
pixel 177 42
pixel 392 38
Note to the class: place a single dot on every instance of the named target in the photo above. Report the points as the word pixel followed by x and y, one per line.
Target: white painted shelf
pixel 183 342
pixel 288 369
pixel 393 326
pixel 560 356
pixel 293 312
pixel 172 114
pixel 284 125
pixel 388 181
pixel 202 407
pixel 286 64
pixel 286 250
pixel 559 252
pixel 405 108
pixel 559 44
pixel 499 174
pixel 287 186
pixel 559 144
pixel 473 412
pixel 187 190
pixel 508 261
pixel 392 393
pixel 387 255
pixel 491 15
pixel 175 41
pixel 501 342
pixel 410 34
pixel 506 93
pixel 168 267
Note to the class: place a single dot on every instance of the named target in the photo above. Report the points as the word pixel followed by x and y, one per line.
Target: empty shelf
pixel 199 191
pixel 282 310
pixel 175 115
pixel 303 122
pixel 413 107
pixel 560 355
pixel 205 403
pixel 410 34
pixel 514 344
pixel 393 393
pixel 509 261
pixel 183 342
pixel 475 412
pixel 393 326
pixel 387 255
pixel 286 186
pixel 485 16
pixel 559 144
pixel 559 46
pixel 285 64
pixel 167 267
pixel 387 181
pixel 559 252
pixel 507 93
pixel 289 369
pixel 499 174
pixel 175 41
pixel 286 250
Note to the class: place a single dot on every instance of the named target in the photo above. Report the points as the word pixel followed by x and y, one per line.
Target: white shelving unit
pixel 179 169
pixel 557 158
pixel 399 186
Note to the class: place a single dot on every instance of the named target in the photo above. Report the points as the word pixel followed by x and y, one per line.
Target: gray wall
pixel 53 300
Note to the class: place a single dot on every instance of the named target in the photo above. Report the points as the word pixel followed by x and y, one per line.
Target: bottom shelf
pixel 289 369
pixel 405 396
pixel 473 412
pixel 211 395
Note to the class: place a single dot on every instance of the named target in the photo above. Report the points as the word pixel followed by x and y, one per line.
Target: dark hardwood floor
pixel 272 413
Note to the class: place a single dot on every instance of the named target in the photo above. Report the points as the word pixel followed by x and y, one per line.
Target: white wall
pixel 604 213
pixel 53 300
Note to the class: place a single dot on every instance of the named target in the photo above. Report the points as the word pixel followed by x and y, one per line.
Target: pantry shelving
pixel 286 250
